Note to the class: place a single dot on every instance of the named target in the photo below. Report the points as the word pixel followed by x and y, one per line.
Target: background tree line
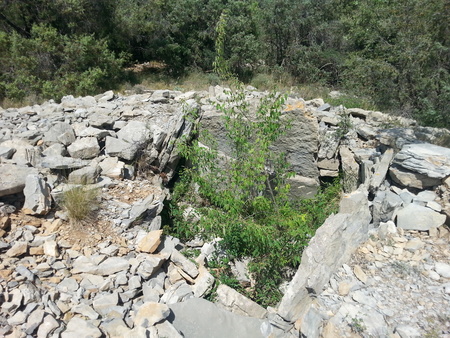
pixel 393 52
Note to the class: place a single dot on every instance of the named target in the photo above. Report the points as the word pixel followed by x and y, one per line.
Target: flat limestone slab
pixel 13 177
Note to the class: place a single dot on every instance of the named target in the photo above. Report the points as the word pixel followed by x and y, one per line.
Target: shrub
pixel 243 199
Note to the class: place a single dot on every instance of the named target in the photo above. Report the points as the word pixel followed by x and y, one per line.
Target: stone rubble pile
pixel 126 279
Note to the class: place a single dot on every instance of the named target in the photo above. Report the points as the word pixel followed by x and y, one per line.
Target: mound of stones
pixel 137 282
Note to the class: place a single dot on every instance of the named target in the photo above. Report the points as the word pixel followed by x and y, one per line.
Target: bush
pixel 51 65
pixel 244 199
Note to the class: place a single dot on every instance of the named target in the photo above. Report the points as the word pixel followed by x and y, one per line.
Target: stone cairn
pixel 378 268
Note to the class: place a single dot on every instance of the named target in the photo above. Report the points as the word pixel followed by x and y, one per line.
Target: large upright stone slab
pixel 332 245
pixel 38 200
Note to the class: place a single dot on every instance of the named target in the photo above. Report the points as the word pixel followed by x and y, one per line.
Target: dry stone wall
pixel 132 281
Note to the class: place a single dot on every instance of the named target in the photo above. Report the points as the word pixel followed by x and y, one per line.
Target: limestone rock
pixel 304 187
pixel 112 167
pixel 203 283
pixel 86 175
pixel 78 325
pixel 84 148
pixel 60 162
pixel 184 263
pixel 233 301
pixel 121 148
pixel 18 249
pixel 200 318
pixel 426 159
pixel 342 234
pixel 150 242
pixel 60 132
pixel 381 169
pixel 350 168
pixel 13 178
pixel 411 179
pixel 135 132
pixel 417 217
pixel 38 200
pixel 442 269
pixel 151 313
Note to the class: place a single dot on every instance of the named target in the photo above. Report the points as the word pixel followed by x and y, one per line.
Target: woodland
pixel 394 54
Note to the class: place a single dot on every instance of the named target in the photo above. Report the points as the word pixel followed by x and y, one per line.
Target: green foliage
pixel 243 198
pixel 49 64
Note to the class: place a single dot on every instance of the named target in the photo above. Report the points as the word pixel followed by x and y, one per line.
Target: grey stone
pixel 233 301
pixel 56 149
pixel 203 283
pixel 121 148
pixel 78 325
pixel 34 321
pixel 25 154
pixel 135 132
pixel 112 265
pixel 51 248
pixel 112 167
pixel 426 159
pixel 396 137
pixel 38 200
pixel 23 271
pixel 385 205
pixel 13 178
pixel 100 120
pixel 160 96
pixel 411 179
pixel 330 164
pixel 442 269
pixel 6 152
pixel 104 303
pixel 84 148
pixel 165 329
pixel 86 175
pixel 184 263
pixel 85 310
pixel 350 169
pixel 199 318
pixel 407 331
pixel 329 143
pixel 341 233
pixel 60 131
pixel 150 265
pixel 18 249
pixel 106 96
pixel 381 169
pixel 68 285
pixel 417 217
pixel 178 292
pixel 311 323
pixel 60 162
pixel 115 328
pixel 303 187
pixel 17 319
pixel 94 132
pixel 47 327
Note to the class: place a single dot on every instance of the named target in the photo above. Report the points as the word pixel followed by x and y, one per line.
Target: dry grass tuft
pixel 81 203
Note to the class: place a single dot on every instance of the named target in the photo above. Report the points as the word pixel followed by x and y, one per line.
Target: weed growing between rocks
pixel 80 203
